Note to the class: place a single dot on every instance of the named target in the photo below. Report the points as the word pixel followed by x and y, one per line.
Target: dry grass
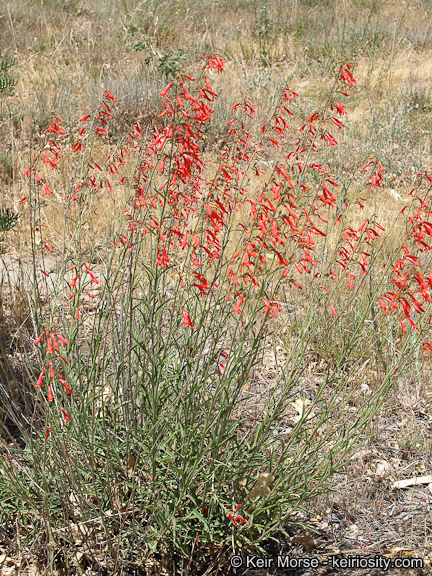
pixel 67 53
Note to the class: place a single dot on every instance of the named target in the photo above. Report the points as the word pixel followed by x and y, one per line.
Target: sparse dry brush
pixel 157 264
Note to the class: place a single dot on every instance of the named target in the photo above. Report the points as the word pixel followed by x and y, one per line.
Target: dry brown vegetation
pixel 68 53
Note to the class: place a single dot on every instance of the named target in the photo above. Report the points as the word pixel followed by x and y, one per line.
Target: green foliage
pixel 158 445
pixel 8 221
pixel 7 84
pixel 167 63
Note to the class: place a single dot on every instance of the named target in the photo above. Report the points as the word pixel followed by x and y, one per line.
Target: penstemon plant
pixel 151 438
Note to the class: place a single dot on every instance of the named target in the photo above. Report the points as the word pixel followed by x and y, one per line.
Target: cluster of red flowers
pixel 73 283
pixel 413 285
pixel 188 217
pixel 236 518
pixel 53 149
pixel 53 348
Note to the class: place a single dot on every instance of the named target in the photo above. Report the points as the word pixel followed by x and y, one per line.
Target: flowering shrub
pixel 150 390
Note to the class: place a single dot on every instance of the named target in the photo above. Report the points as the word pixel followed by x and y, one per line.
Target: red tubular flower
pixel 68 390
pixel 47 191
pixel 331 141
pixel 38 341
pixel 333 311
pixel 65 415
pixel 339 107
pixel 186 319
pixel 54 342
pixel 383 306
pixel 347 77
pixel 39 380
pixel 74 281
pixel 338 123
pixel 165 90
pixel 56 127
pixel 50 394
pixel 62 340
pixel 48 160
pixel 242 519
pixel 92 276
pixel 427 348
pixel 110 96
pixel 49 349
pixel 51 370
pixel 239 303
pixel 214 62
